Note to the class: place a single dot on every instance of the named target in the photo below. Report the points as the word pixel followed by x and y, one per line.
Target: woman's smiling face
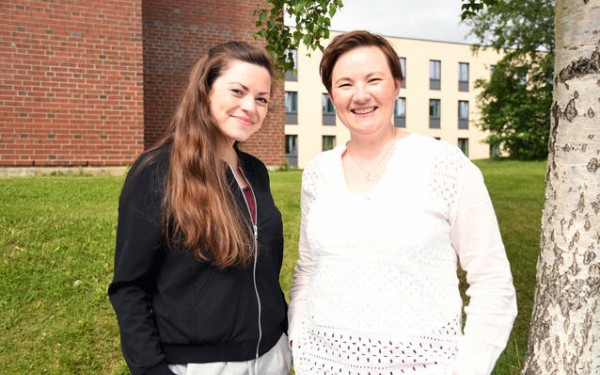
pixel 363 90
pixel 239 100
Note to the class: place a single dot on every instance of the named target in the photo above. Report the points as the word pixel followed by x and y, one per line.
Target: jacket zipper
pixel 254 221
pixel 256 291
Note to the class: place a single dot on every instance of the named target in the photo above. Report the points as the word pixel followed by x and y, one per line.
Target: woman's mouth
pixel 363 111
pixel 243 120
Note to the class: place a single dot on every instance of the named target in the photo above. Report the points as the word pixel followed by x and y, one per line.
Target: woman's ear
pixel 398 83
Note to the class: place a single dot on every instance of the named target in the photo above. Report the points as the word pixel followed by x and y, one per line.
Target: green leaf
pixel 297 37
pixel 308 39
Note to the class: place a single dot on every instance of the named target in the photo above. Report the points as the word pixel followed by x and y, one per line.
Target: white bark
pixel 564 335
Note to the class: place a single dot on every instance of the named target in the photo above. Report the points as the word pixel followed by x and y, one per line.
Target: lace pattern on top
pixel 425 341
pixel 446 176
pixel 309 180
pixel 331 350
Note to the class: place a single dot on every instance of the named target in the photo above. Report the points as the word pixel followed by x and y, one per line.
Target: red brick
pixel 94 83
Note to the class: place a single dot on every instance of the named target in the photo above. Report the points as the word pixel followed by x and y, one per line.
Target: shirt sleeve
pixel 492 307
pixel 304 265
pixel 137 256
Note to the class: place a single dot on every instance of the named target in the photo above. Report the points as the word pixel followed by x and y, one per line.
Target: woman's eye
pixel 374 80
pixel 262 100
pixel 344 85
pixel 236 91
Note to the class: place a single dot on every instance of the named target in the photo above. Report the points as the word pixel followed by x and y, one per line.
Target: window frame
pixel 435 74
pixel 435 120
pixel 291 116
pixel 331 144
pixel 292 74
pixel 327 110
pixel 291 153
pixel 463 117
pixel 463 77
pixel 403 68
pixel 463 145
pixel 400 119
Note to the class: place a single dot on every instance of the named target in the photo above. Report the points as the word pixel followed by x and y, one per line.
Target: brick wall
pixel 89 83
pixel 176 34
pixel 70 82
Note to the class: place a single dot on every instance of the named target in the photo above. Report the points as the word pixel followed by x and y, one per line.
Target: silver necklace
pixel 384 156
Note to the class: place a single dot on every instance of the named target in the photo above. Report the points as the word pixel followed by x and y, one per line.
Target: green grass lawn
pixel 56 251
pixel 517 191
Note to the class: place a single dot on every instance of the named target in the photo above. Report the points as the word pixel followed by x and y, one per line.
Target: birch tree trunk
pixel 564 336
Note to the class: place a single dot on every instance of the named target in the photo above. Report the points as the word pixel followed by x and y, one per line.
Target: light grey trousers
pixel 276 361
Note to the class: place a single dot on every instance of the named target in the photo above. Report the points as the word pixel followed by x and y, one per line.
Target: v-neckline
pixel 341 177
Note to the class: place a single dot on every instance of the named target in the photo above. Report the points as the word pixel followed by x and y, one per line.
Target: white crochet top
pixel 376 289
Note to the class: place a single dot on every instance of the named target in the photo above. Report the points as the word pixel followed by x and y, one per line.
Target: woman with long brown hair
pixel 199 239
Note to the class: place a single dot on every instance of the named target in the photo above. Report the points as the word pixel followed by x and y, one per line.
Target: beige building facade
pixel 437 98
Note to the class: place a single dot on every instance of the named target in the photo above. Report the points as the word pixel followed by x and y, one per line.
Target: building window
pixel 328 142
pixel 403 67
pixel 291 107
pixel 292 55
pixel 495 152
pixel 463 114
pixel 522 76
pixel 435 74
pixel 434 113
pixel 291 150
pixel 491 70
pixel 400 113
pixel 463 144
pixel 463 77
pixel 328 110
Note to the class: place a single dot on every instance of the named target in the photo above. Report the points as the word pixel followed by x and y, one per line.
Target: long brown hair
pixel 199 212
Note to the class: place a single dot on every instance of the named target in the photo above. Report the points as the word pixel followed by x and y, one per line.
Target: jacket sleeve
pixel 492 307
pixel 138 255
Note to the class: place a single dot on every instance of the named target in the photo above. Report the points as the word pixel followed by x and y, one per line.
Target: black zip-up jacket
pixel 172 308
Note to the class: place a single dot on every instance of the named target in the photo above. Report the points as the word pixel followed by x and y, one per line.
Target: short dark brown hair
pixel 353 39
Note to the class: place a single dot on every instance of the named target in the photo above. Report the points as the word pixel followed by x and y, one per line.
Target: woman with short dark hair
pixel 385 220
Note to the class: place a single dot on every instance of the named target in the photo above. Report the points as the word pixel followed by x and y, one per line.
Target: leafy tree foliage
pixel 469 8
pixel 516 111
pixel 516 101
pixel 312 19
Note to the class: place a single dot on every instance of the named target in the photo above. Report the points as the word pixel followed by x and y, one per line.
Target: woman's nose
pixel 248 104
pixel 360 93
